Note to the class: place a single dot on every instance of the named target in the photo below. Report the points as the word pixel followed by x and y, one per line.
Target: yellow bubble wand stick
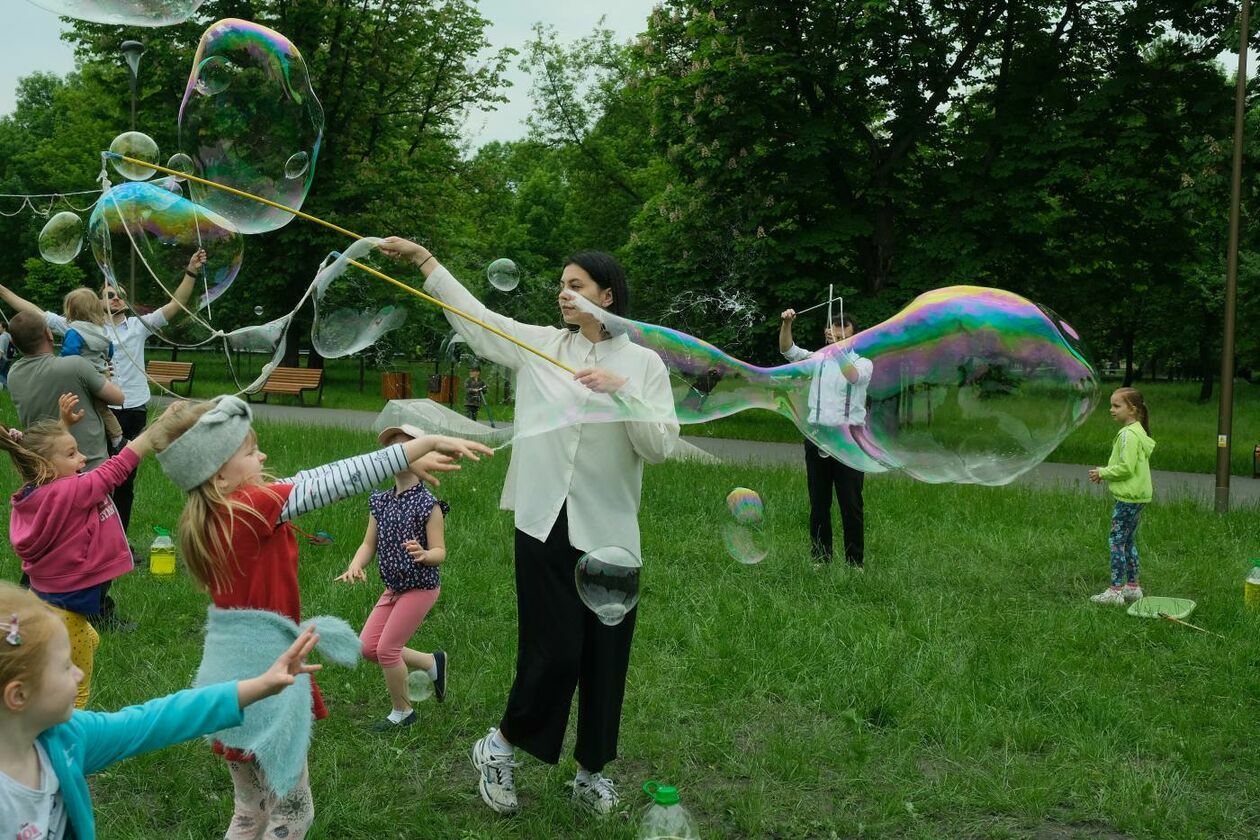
pixel 378 274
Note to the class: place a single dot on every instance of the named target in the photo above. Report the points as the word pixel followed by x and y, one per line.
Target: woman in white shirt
pixel 573 488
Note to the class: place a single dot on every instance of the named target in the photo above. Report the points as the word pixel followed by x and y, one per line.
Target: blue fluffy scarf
pixel 244 643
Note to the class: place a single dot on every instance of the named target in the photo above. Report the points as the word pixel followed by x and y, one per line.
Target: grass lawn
pixel 963 687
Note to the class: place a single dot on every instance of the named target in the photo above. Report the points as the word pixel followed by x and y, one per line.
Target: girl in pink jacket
pixel 64 527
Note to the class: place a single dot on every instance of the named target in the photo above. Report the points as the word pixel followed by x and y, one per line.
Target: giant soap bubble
pixel 250 120
pixel 62 238
pixel 124 12
pixel 166 229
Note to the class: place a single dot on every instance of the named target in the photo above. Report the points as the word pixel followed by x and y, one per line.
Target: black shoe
pixel 439 685
pixel 388 725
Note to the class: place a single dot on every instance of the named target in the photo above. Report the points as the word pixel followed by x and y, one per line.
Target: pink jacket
pixel 67 533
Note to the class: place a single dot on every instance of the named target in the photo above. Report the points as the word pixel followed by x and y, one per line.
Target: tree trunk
pixel 1206 362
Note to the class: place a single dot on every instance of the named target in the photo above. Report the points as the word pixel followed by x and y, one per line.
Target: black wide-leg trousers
pixel 824 475
pixel 562 646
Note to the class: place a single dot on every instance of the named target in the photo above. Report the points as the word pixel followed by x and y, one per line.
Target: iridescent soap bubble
pixel 745 542
pixel 247 117
pixel 62 238
pixel 133 144
pixel 166 230
pixel 352 308
pixel 608 582
pixel 258 310
pixel 170 184
pixel 182 163
pixel 745 506
pixel 966 384
pixel 124 12
pixel 503 274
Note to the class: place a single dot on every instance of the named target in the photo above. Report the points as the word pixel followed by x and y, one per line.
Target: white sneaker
pixel 1131 594
pixel 596 795
pixel 1110 597
pixel 496 785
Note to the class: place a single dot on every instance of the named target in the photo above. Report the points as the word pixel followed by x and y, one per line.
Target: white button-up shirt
pixel 833 399
pixel 573 446
pixel 128 338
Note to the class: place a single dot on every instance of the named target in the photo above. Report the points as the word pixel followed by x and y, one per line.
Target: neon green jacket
pixel 1128 472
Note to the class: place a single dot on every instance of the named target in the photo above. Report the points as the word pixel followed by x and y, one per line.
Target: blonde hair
pixel 83 304
pixel 208 520
pixel 1133 399
pixel 37 627
pixel 32 458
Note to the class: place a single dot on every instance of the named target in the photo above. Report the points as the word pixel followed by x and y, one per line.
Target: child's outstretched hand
pixel 283 672
pixel 352 574
pixel 435 462
pixel 1094 476
pixel 67 403
pixel 457 447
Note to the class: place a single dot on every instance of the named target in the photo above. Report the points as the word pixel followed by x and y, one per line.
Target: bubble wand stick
pixel 380 275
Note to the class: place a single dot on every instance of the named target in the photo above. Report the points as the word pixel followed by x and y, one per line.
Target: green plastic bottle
pixel 162 553
pixel 665 818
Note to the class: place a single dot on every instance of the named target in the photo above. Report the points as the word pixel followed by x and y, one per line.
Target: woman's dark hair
pixel 607 274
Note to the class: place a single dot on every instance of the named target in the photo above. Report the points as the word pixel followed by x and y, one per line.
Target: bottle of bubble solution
pixel 665 818
pixel 162 553
pixel 1251 589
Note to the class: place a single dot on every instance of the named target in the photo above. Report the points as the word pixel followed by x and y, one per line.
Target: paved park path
pixel 1244 492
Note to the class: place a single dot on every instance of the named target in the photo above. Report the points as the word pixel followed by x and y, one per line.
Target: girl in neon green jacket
pixel 1128 476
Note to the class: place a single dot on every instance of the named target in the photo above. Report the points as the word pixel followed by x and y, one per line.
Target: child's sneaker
pixel 1132 593
pixel 596 795
pixel 1110 597
pixel 496 785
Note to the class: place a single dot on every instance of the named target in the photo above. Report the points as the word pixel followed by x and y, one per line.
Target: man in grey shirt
pixel 38 379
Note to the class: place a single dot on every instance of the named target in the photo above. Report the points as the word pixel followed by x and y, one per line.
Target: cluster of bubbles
pixel 607 581
pixel 124 12
pixel 745 540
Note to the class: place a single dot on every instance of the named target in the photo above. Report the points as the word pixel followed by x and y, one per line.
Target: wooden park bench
pixel 167 374
pixel 293 382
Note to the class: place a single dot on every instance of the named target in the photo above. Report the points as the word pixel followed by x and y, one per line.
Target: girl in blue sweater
pixel 47 747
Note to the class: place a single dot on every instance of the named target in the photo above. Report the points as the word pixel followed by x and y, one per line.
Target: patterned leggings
pixel 1123 543
pixel 83 642
pixel 259 813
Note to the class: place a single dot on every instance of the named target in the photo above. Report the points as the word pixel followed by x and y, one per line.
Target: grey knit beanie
pixel 198 453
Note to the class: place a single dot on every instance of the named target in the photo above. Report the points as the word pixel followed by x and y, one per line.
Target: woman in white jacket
pixel 574 487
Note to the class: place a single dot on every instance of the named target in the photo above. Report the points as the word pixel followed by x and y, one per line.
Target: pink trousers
pixel 392 623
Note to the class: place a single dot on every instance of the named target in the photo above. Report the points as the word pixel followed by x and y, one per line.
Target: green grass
pixel 963 687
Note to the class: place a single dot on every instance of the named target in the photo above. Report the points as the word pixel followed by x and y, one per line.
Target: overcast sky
pixel 32 42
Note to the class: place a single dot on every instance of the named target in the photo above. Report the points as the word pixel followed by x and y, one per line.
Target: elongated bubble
pixel 124 12
pixel 966 384
pixel 249 119
pixel 165 230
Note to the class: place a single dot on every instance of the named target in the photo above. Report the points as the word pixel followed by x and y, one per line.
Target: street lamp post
pixel 131 52
pixel 1225 416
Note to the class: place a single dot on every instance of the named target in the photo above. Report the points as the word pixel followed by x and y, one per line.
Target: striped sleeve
pixel 317 488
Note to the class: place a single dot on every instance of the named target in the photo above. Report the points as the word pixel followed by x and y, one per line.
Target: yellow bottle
pixel 1251 588
pixel 162 553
